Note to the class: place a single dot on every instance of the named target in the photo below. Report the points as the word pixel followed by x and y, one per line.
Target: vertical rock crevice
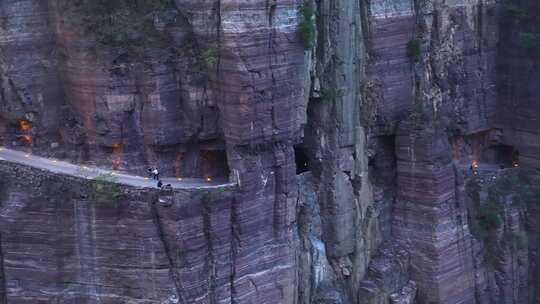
pixel 173 268
pixel 211 259
pixel 335 142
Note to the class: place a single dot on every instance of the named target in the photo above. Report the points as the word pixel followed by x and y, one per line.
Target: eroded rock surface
pixel 364 137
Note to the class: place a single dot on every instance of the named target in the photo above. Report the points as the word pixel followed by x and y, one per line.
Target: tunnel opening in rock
pixel 301 159
pixel 213 164
pixel 501 155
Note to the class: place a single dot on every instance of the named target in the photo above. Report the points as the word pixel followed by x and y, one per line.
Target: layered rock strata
pixel 389 102
pixel 61 243
pixel 195 82
pixel 429 220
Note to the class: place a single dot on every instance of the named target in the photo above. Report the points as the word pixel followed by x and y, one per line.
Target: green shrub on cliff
pixel 116 23
pixel 488 218
pixel 330 94
pixel 528 40
pixel 105 188
pixel 306 28
pixel 210 57
pixel 515 11
pixel 520 240
pixel 414 49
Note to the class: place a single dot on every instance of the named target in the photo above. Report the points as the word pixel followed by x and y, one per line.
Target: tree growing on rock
pixel 105 188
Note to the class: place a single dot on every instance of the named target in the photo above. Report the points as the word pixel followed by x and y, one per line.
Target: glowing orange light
pixel 208 179
pixel 116 148
pixel 116 155
pixel 179 178
pixel 24 125
pixel 474 166
pixel 146 178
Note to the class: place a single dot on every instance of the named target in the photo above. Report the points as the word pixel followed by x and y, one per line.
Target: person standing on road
pixel 156 174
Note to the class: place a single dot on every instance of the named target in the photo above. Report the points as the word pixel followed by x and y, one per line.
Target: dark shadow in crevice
pixel 382 165
pixel 301 159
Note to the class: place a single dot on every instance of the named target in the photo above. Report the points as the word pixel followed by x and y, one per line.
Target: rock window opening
pixel 302 160
pixel 501 155
pixel 213 164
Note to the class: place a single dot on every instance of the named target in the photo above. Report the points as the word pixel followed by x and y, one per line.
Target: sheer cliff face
pixel 191 75
pixel 146 247
pixel 166 85
pixel 385 103
pixel 440 74
pixel 518 80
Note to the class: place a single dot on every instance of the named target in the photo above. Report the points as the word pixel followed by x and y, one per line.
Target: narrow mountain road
pixel 87 172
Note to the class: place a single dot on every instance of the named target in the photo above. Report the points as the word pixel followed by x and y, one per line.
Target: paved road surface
pixel 57 166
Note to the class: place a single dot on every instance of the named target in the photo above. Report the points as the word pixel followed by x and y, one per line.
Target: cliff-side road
pixel 88 172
